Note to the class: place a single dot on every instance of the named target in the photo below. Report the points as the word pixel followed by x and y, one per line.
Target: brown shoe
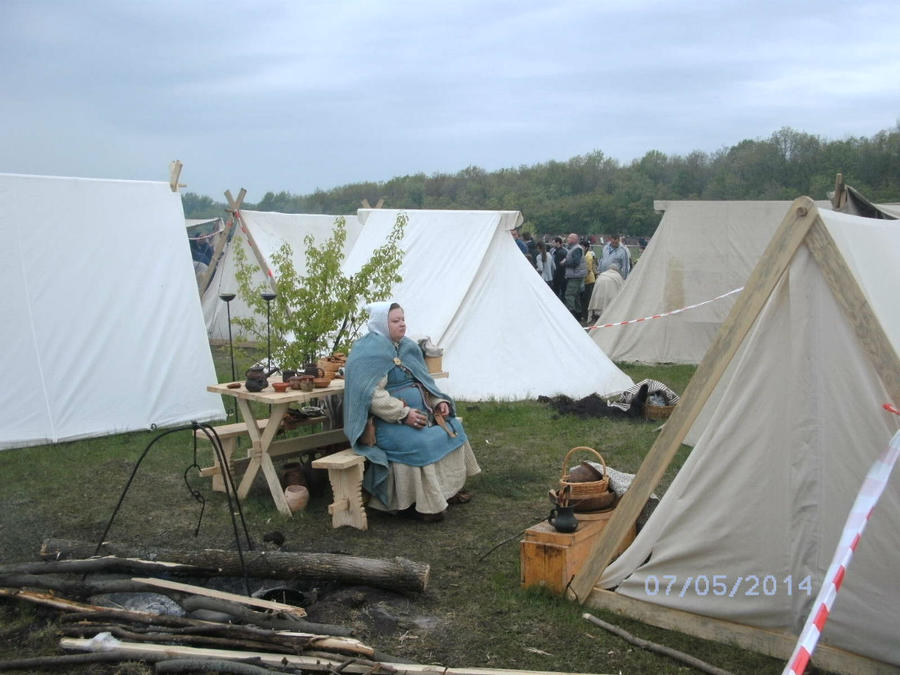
pixel 430 517
pixel 461 497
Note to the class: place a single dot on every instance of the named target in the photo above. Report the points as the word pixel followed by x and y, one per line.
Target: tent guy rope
pixel 674 311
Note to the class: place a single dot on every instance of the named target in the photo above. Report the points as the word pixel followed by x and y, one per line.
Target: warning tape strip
pixel 868 496
pixel 674 311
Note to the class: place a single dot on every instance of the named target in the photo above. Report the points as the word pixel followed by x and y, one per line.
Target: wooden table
pixel 263 444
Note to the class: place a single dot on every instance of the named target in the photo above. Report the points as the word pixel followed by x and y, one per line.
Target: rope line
pixel 674 311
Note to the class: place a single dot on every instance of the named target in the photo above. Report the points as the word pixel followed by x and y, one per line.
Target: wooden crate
pixel 550 558
pixel 435 364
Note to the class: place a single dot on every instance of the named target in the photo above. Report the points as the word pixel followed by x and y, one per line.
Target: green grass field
pixel 480 615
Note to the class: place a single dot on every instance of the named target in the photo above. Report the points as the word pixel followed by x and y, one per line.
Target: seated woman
pixel 421 456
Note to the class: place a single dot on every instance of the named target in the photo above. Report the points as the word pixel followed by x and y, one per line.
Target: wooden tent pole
pixel 771 266
pixel 219 248
pixel 856 308
pixel 174 174
pixel 235 206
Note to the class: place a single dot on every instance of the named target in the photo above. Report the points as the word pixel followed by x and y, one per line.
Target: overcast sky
pixel 300 95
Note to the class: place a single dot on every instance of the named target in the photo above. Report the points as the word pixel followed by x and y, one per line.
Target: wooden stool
pixel 345 473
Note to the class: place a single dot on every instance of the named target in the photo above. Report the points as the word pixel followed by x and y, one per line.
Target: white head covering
pixel 378 317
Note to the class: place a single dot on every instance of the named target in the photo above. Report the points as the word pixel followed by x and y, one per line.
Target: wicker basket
pixel 588 490
pixel 657 412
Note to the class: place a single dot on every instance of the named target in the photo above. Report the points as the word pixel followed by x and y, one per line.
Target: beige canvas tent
pixel 758 507
pixel 701 249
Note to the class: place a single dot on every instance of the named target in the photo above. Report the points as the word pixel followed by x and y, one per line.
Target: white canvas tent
pixel 261 235
pixel 99 336
pixel 214 228
pixel 701 249
pixel 813 342
pixel 467 286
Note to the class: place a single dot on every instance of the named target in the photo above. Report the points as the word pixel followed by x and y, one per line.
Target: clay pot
pixel 292 473
pixel 321 382
pixel 297 497
pixel 281 387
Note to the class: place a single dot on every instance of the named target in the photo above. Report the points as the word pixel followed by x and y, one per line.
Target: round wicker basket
pixel 587 490
pixel 657 412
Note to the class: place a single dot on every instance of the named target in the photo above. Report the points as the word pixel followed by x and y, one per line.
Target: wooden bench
pixel 345 473
pixel 228 434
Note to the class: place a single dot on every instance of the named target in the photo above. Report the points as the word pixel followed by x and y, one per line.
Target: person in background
pixel 421 456
pixel 201 250
pixel 575 271
pixel 545 264
pixel 519 242
pixel 530 246
pixel 607 287
pixel 591 261
pixel 559 275
pixel 616 252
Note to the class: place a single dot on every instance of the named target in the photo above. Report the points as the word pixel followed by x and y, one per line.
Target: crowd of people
pixel 584 283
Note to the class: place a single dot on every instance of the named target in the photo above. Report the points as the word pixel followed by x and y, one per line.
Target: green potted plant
pixel 318 312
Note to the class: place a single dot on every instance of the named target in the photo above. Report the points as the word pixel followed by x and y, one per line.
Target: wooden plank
pixel 292 610
pixel 269 396
pixel 772 265
pixel 856 308
pixel 144 650
pixel 229 430
pixel 777 644
pixel 286 447
pixel 339 460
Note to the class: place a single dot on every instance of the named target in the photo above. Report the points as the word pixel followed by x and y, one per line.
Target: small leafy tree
pixel 320 311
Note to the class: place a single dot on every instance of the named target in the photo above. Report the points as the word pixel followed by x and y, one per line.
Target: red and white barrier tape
pixel 674 311
pixel 866 500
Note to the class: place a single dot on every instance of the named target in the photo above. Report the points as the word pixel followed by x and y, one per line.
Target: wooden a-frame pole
pixel 774 261
pixel 235 206
pixel 856 308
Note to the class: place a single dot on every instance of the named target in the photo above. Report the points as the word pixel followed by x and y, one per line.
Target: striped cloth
pixel 653 387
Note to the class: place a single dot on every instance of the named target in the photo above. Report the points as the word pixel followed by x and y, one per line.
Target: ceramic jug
pixel 563 519
pixel 257 378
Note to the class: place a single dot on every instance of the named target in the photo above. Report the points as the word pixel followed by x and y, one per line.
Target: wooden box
pixel 550 558
pixel 434 363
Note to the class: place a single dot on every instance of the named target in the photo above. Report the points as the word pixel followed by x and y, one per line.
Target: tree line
pixel 596 194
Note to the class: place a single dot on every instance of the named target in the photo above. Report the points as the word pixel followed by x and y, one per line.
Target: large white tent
pixel 467 286
pixel 759 505
pixel 260 236
pixel 701 249
pixel 102 331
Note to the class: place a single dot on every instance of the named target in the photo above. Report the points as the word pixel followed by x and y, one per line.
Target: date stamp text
pixel 723 586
